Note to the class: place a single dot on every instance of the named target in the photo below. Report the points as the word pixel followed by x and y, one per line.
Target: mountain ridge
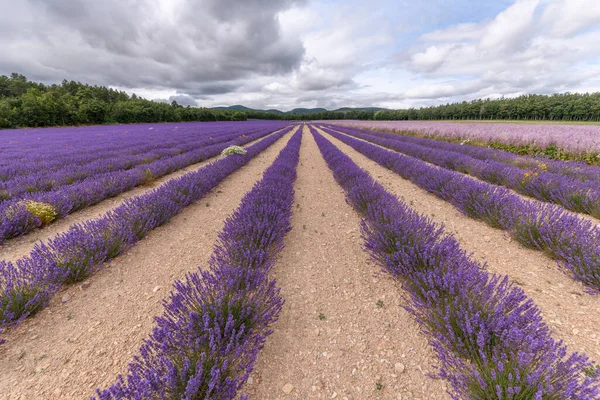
pixel 239 107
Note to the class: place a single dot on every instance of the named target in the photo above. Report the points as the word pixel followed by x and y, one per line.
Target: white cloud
pixel 568 18
pixel 531 47
pixel 296 53
pixel 511 29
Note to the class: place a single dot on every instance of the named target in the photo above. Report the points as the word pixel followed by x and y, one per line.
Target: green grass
pixel 516 121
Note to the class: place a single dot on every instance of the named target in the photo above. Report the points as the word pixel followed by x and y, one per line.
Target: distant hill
pixel 348 109
pixel 306 111
pixel 238 107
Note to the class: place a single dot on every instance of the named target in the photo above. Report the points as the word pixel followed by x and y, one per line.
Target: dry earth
pixel 332 340
pixel 90 332
pixel 572 313
pixel 21 246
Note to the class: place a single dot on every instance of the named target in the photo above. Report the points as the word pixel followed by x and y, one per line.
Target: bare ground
pixel 573 315
pixel 588 217
pixel 332 340
pixel 71 348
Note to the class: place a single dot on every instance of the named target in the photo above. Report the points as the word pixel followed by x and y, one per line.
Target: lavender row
pixel 574 195
pixel 577 170
pixel 576 139
pixel 26 151
pixel 21 162
pixel 215 322
pixel 570 239
pixel 489 337
pixel 27 285
pixel 38 209
pixel 69 173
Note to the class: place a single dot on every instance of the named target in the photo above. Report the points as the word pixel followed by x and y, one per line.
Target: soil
pixel 342 333
pixel 572 314
pixel 332 340
pixel 90 332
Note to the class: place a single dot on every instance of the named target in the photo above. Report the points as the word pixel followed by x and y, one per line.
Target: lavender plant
pixel 488 336
pixel 215 322
pixel 576 139
pixel 570 239
pixel 574 169
pixel 24 210
pixel 572 193
pixel 76 254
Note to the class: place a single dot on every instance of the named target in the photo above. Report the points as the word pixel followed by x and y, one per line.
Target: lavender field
pixel 47 174
pixel 576 139
pixel 255 257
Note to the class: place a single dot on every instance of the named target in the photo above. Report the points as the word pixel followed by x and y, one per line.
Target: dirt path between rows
pixel 332 341
pixel 588 217
pixel 573 315
pixel 71 348
pixel 21 246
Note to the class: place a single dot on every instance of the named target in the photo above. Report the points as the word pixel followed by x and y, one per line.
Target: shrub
pixel 233 150
pixel 45 212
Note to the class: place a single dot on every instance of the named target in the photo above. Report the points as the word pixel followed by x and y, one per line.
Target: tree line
pixel 24 103
pixel 537 107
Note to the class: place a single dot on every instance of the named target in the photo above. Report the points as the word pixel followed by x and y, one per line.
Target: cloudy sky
pixel 302 53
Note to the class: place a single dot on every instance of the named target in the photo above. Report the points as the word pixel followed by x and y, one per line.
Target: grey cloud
pixel 324 83
pixel 184 100
pixel 142 43
pixel 212 88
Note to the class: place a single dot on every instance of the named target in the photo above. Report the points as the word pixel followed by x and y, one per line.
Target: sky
pixel 300 53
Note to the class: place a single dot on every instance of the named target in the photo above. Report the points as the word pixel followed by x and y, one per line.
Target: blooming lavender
pixel 574 169
pixel 488 336
pixel 571 192
pixel 215 322
pixel 74 255
pixel 570 239
pixel 75 181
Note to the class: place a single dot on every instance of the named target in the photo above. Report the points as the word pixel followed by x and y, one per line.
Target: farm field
pixel 327 262
pixel 576 139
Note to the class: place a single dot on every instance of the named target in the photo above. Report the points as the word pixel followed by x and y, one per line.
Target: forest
pixel 536 107
pixel 25 103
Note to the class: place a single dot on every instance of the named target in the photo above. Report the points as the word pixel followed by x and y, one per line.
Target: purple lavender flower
pixel 215 322
pixel 488 336
pixel 77 253
pixel 570 239
pixel 78 169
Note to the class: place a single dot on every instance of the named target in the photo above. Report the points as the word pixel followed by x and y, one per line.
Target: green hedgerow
pixel 44 211
pixel 233 150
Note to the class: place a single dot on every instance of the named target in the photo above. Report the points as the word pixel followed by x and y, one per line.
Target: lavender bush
pixel 64 194
pixel 215 322
pixel 27 152
pixel 574 169
pixel 572 193
pixel 570 239
pixel 77 253
pixel 488 336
